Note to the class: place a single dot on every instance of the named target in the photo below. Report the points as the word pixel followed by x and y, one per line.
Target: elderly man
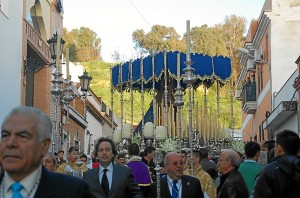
pixel 232 184
pixel 109 179
pixel 25 140
pixel 175 184
pixel 281 177
pixel 49 161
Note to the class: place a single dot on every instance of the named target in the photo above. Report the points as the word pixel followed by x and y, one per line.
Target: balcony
pixel 248 96
pixel 296 84
pixel 36 42
pixel 280 114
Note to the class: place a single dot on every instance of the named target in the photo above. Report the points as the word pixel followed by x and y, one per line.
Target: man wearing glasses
pixel 232 182
pixel 175 184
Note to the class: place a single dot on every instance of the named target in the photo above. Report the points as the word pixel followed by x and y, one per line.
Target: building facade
pixel 11 60
pixel 267 63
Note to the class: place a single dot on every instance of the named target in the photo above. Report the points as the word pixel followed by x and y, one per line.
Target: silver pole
pixel 143 101
pixel 131 96
pixel 189 79
pixel 154 94
pixel 166 95
pixel 121 97
pixel 112 100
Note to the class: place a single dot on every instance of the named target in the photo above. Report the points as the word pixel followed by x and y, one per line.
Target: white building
pixel 98 114
pixel 11 54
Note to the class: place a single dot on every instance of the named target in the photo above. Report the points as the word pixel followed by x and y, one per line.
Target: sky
pixel 114 21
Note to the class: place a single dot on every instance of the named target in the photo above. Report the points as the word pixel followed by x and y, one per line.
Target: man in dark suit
pixel 25 140
pixel 115 181
pixel 175 184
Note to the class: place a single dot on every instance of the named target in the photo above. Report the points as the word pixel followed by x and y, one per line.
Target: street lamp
pixel 85 80
pixel 56 46
pixel 53 46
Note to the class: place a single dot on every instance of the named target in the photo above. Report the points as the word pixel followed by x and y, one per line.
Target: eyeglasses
pixel 176 163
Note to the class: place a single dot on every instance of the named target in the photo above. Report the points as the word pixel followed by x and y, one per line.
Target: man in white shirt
pixel 25 140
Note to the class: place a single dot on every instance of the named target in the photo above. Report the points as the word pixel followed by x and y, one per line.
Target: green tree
pixel 160 38
pixel 208 40
pixel 233 30
pixel 83 43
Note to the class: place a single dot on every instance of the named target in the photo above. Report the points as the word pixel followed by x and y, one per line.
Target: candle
pixel 67 63
pixel 188 40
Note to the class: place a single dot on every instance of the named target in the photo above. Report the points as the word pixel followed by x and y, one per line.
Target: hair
pixel 197 153
pixel 72 148
pixel 251 148
pixel 270 145
pixel 133 149
pixel 204 153
pixel 52 157
pixel 84 156
pixel 148 149
pixel 105 139
pixel 234 158
pixel 121 155
pixel 289 141
pixel 60 151
pixel 166 158
pixel 43 122
pixel 184 152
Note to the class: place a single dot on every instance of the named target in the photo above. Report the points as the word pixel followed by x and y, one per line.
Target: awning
pixel 207 69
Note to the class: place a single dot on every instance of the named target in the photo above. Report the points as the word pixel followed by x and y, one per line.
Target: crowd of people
pixel 28 169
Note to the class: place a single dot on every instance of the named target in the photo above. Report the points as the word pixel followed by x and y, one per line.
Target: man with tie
pixel 175 184
pixel 25 140
pixel 109 179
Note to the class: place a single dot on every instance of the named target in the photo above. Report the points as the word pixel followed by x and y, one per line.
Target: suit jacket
pixel 191 188
pixel 123 184
pixel 56 185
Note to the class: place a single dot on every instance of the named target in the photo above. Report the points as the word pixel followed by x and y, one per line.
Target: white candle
pixel 67 63
pixel 188 40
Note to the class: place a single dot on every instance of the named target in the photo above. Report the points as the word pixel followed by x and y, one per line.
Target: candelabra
pixel 189 79
pixel 158 158
pixel 178 100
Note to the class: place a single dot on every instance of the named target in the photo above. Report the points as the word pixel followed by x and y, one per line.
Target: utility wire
pixel 140 13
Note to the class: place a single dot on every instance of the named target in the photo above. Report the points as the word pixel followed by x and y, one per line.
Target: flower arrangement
pixel 238 145
pixel 160 133
pixel 136 138
pixel 170 145
pixel 126 134
pixel 148 130
pixel 117 136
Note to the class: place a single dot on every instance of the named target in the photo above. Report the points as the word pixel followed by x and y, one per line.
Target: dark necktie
pixel 16 188
pixel 104 183
pixel 175 190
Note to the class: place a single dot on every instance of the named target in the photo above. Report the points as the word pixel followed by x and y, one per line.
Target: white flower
pixel 126 134
pixel 117 136
pixel 148 130
pixel 170 145
pixel 160 133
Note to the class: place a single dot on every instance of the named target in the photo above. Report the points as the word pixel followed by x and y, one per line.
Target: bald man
pixel 232 182
pixel 175 184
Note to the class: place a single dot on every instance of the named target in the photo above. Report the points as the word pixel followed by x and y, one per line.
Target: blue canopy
pixel 207 69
